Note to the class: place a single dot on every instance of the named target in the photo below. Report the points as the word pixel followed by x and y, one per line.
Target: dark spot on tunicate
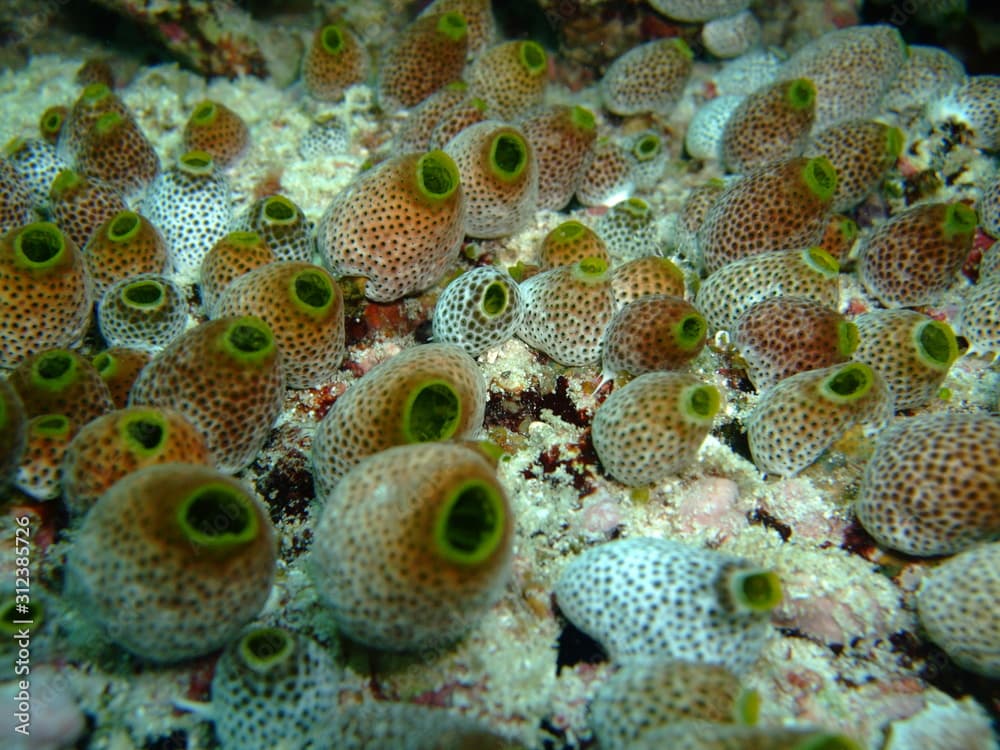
pixel 761 517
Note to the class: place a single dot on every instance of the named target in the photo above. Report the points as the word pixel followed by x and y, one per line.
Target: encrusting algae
pixel 408 375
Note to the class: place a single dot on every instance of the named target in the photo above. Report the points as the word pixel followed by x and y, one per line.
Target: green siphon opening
pixel 205 113
pixel 124 226
pixel 533 58
pixel 821 261
pixel 568 231
pixel 637 208
pixel 936 344
pixel 700 402
pixel 453 26
pixel 508 155
pixel 103 363
pixel 747 708
pixel 50 425
pixel 437 175
pixel 800 93
pixel 332 39
pixel 240 237
pixel 52 121
pixel 41 245
pixel 56 368
pixel 895 139
pixel 583 118
pixel 108 122
pixel 431 412
pixel 820 177
pixel 848 338
pixel 592 266
pixel 849 383
pixel 825 741
pixel 279 210
pixel 959 220
pixel 755 590
pixel 494 299
pixel 312 289
pixel 648 147
pixel 848 229
pixel 196 163
pixel 250 338
pixel 470 524
pixel 681 46
pixel 95 92
pixel 218 515
pixel 64 182
pixel 262 648
pixel 691 331
pixel 145 432
pixel 146 293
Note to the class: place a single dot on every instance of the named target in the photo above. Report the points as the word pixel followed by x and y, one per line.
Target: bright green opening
pixel 243 238
pixel 144 432
pixel 124 226
pixel 332 39
pixel 508 156
pixel 263 648
pixel 895 139
pixel 218 515
pixel 936 344
pixel 196 163
pixel 63 182
pixel 205 113
pixel 437 175
pixel 848 338
pixel 592 266
pixel 249 340
pixel 820 177
pixel 849 383
pixel 533 58
pixel 637 208
pixel 800 93
pixel 312 289
pixel 104 363
pixel 431 412
pixel 568 231
pixel 681 46
pixel 747 708
pixel 107 122
pixel 690 331
pixel 145 294
pixel 648 147
pixel 494 299
pixel 821 261
pixel 700 403
pixel 453 26
pixel 40 245
pixel 755 590
pixel 824 741
pixel 470 523
pixel 52 121
pixel 54 370
pixel 848 229
pixel 279 210
pixel 959 220
pixel 583 118
pixel 51 425
pixel 95 92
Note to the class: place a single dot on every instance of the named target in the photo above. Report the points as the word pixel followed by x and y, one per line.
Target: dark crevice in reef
pixel 935 668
